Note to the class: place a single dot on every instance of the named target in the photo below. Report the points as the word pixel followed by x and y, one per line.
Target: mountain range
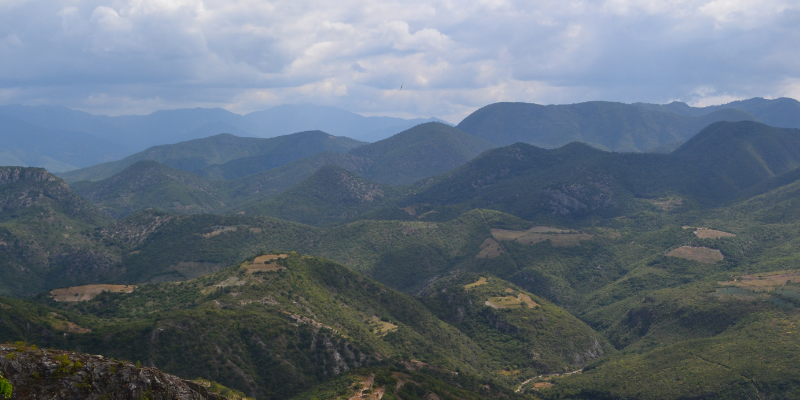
pixel 433 264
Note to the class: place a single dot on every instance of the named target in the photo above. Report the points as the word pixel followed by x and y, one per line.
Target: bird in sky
pixel 401 86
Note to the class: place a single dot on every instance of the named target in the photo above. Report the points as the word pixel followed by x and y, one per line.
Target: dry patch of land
pixel 410 210
pixel 255 230
pixel 705 233
pixel 511 301
pixel 216 230
pixel 509 373
pixel 765 282
pixel 267 262
pixel 666 203
pixel 481 281
pixel 380 327
pixel 700 254
pixel 87 292
pixel 557 237
pixel 490 249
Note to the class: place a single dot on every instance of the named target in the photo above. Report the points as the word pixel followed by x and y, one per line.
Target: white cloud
pixel 451 56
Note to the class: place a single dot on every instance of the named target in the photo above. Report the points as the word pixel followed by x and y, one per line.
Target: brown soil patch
pixel 765 282
pixel 381 328
pixel 540 385
pixel 527 300
pixel 87 292
pixel 265 263
pixel 666 203
pixel 481 281
pixel 216 230
pixel 705 233
pixel 71 327
pixel 511 301
pixel 557 237
pixel 509 373
pixel 410 210
pixel 255 230
pixel 490 249
pixel 700 254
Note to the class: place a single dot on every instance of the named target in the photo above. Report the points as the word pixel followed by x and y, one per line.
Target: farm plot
pixel 511 301
pixel 490 249
pixel 699 254
pixel 87 292
pixel 266 262
pixel 381 327
pixel 557 237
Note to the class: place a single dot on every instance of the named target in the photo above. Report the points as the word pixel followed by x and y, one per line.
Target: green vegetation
pixel 5 387
pixel 216 156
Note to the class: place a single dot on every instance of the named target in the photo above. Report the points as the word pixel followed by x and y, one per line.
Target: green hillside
pixel 43 233
pixel 614 126
pixel 331 195
pixel 208 156
pixel 150 185
pixel 270 327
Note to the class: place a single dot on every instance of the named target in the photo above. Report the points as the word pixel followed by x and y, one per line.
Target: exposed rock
pixel 63 375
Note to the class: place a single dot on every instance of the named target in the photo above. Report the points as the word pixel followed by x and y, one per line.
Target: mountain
pixel 55 147
pixel 43 232
pixel 331 194
pixel 742 154
pixel 285 119
pixel 782 112
pixel 211 155
pixel 78 139
pixel 612 126
pixel 148 184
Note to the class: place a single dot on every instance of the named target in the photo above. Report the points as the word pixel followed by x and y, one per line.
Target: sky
pixel 450 57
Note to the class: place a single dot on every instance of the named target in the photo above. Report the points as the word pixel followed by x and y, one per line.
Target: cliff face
pixel 63 375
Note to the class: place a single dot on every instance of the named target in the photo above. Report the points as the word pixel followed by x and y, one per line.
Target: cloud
pixel 121 56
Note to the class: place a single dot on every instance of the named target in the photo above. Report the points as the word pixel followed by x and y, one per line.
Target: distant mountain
pixel 782 112
pixel 76 138
pixel 60 148
pixel 285 119
pixel 332 194
pixel 210 156
pixel 611 126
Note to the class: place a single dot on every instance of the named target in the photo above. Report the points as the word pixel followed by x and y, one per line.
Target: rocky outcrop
pixel 63 375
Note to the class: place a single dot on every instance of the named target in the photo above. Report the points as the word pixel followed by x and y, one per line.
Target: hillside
pixel 42 232
pixel 215 156
pixel 742 154
pixel 613 126
pixel 150 185
pixel 330 195
pixel 288 323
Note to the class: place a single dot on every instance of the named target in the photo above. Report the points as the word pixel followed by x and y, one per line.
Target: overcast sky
pixel 452 57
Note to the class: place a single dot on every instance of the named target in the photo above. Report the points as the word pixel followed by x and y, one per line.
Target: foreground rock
pixel 63 375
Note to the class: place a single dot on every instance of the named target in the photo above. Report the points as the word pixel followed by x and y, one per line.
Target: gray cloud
pixel 123 56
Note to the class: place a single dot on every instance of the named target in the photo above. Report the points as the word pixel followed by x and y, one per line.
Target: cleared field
pixel 481 281
pixel 511 301
pixel 666 203
pixel 557 237
pixel 490 249
pixel 216 230
pixel 379 327
pixel 705 233
pixel 699 254
pixel 765 282
pixel 266 262
pixel 87 292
